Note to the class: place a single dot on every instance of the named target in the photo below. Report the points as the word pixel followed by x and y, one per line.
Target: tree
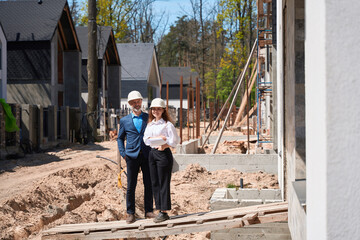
pixel 236 19
pixel 74 11
pixel 92 73
pixel 131 20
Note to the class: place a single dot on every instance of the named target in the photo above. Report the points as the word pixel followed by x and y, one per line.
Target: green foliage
pixel 176 48
pixel 210 85
pixel 230 185
pixel 237 22
pixel 224 81
pixel 112 13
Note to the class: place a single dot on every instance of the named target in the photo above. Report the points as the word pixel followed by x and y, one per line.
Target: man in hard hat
pixel 136 154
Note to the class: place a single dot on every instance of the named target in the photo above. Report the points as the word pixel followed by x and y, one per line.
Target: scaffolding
pixel 263 80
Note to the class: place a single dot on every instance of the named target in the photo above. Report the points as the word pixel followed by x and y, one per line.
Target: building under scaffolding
pixel 263 80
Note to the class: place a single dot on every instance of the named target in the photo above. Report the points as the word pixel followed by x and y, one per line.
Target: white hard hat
pixel 134 95
pixel 158 102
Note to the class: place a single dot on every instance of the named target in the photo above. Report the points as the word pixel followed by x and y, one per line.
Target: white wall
pixel 176 103
pixel 3 71
pixel 280 97
pixel 332 118
pixel 124 103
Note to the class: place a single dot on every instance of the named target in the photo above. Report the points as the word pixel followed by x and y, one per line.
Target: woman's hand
pixel 163 137
pixel 162 147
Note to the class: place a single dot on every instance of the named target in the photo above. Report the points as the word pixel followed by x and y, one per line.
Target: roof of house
pixel 105 40
pixel 2 30
pixel 27 20
pixel 173 74
pixel 136 60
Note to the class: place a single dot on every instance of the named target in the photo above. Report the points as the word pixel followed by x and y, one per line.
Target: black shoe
pixel 130 218
pixel 161 217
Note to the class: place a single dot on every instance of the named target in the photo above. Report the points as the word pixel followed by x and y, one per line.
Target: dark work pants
pixel 161 163
pixel 133 165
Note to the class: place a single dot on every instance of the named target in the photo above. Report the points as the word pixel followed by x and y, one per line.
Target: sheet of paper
pixel 156 141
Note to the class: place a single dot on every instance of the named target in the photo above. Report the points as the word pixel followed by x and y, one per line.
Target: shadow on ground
pixel 16 159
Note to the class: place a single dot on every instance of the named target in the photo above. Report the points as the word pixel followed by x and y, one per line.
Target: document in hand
pixel 156 141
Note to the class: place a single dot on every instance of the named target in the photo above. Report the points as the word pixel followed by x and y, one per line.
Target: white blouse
pixel 157 128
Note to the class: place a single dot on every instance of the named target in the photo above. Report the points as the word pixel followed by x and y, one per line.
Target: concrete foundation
pixel 188 147
pixel 225 198
pixel 212 139
pixel 268 231
pixel 243 163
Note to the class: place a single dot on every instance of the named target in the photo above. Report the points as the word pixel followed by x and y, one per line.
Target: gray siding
pixel 72 65
pixel 30 93
pixel 174 92
pixel 114 86
pixel 138 85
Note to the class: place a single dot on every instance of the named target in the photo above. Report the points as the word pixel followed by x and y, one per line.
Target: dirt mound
pixel 78 187
pixel 193 172
pixel 67 196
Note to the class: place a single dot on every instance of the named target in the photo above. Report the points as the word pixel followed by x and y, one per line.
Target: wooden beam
pixel 147 233
pixel 181 108
pixel 67 10
pixel 260 7
pixel 250 112
pixel 262 43
pixel 198 108
pixel 275 217
pixel 244 99
pixel 62 35
pixel 107 57
pixel 197 222
pixel 115 48
pixel 249 218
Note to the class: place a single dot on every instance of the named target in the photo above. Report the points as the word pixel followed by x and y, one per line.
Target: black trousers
pixel 161 163
pixel 133 165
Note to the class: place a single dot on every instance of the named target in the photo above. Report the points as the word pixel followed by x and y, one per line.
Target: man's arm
pixel 121 139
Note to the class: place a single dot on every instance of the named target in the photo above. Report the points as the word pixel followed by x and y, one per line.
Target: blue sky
pixel 175 8
pixel 178 8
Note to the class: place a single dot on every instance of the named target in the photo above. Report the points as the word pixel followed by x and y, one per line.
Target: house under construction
pixel 306 86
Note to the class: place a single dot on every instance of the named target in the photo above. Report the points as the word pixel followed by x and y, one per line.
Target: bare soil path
pixel 19 175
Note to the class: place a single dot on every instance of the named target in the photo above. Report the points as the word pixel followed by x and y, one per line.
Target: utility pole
pixel 92 69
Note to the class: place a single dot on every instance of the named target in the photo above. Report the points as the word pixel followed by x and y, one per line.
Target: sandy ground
pixel 70 185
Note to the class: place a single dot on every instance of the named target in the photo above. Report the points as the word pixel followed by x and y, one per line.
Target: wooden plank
pixel 275 217
pixel 207 216
pixel 198 218
pixel 153 232
pixel 249 218
pixel 244 98
pixel 260 7
pixel 262 43
pixel 250 112
pixel 180 229
pixel 61 30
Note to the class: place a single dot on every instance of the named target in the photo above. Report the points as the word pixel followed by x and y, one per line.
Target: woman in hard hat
pixel 160 134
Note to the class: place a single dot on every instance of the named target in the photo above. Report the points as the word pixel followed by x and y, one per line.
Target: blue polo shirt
pixel 138 121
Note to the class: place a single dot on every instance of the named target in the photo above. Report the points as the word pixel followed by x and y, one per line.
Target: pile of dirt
pixel 89 193
pixel 230 147
pixel 68 196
